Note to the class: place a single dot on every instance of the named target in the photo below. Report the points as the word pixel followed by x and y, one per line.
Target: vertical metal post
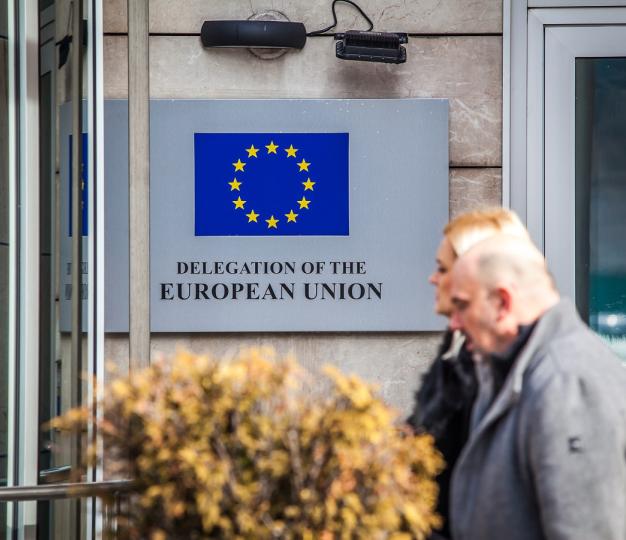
pixel 23 348
pixel 77 233
pixel 139 181
pixel 95 256
pixel 77 214
pixel 29 248
pixel 13 446
pixel 514 79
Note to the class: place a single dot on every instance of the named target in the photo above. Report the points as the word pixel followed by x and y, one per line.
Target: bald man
pixel 547 455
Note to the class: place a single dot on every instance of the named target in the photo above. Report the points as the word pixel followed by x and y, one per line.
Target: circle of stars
pixel 235 185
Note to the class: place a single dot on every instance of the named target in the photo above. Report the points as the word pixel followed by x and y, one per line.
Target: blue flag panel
pixel 263 184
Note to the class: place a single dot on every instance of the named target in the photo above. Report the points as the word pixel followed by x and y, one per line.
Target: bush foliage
pixel 247 449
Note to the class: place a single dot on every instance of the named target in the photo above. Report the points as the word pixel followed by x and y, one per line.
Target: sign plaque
pixel 283 215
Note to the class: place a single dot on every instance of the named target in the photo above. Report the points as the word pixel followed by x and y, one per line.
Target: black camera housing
pixel 372 46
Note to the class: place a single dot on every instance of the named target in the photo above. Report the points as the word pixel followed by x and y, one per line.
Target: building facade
pixel 535 123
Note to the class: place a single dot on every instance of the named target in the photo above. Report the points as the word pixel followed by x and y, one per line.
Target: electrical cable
pixel 323 32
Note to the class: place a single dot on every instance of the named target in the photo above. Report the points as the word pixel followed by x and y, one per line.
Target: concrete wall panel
pixel 415 16
pixel 393 361
pixel 471 189
pixel 467 70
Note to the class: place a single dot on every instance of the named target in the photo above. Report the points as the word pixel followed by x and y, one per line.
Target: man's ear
pixel 505 303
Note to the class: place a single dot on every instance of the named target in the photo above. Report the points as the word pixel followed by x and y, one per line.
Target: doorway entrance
pixel 573 194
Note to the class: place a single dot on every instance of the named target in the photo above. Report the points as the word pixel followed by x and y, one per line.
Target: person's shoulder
pixel 581 350
pixel 578 356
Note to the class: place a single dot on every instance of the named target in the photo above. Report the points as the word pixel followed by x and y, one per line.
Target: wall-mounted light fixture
pixel 282 34
pixel 264 34
pixel 372 46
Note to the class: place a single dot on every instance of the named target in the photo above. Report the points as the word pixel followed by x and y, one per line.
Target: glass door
pixel 51 253
pixel 577 159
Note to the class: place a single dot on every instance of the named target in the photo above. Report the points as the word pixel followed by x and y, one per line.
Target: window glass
pixel 601 196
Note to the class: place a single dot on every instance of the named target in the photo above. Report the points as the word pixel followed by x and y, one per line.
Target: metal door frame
pixel 526 27
pixel 556 38
pixel 562 46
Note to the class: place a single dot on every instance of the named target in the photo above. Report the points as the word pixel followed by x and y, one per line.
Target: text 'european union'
pixel 263 184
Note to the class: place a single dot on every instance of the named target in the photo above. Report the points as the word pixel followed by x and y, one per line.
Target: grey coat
pixel 548 459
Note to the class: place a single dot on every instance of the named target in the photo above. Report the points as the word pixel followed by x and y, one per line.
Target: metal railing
pixel 111 492
pixel 65 491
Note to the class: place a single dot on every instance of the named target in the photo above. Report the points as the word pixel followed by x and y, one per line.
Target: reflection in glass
pixel 59 380
pixel 4 258
pixel 601 196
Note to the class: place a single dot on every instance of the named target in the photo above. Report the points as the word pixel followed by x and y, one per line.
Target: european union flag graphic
pixel 264 184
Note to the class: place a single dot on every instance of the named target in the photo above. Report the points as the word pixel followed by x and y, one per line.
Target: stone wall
pixel 455 53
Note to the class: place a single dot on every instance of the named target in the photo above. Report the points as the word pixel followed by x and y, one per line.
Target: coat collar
pixel 556 320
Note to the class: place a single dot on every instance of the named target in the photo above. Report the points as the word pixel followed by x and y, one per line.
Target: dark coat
pixel 443 408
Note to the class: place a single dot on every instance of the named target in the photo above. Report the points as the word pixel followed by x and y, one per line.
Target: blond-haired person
pixel 443 404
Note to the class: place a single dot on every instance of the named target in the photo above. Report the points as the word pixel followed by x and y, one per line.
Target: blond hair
pixel 469 228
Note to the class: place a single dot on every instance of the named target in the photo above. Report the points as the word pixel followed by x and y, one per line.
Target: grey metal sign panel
pixel 372 279
pixel 370 275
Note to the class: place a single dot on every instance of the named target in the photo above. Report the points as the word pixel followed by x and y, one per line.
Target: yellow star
pixel 303 203
pixel 271 147
pixel 239 165
pixel 252 151
pixel 252 216
pixel 308 184
pixel 271 223
pixel 304 166
pixel 239 203
pixel 234 184
pixel 291 216
pixel 291 151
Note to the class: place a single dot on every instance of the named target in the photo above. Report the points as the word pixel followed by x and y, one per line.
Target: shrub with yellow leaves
pixel 248 449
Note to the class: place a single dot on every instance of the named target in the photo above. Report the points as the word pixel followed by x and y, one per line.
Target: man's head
pixel 498 285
